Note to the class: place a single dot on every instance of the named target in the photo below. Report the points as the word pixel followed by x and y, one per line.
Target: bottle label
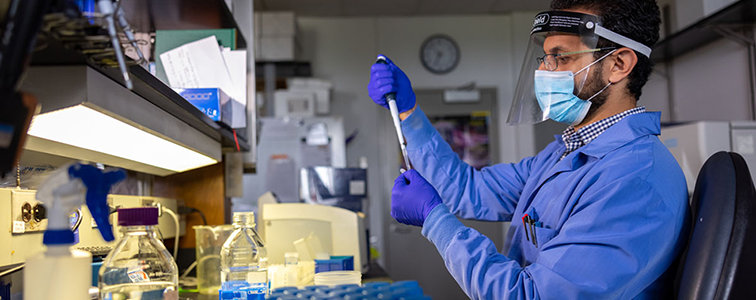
pixel 255 291
pixel 136 274
pixel 234 285
pixel 255 296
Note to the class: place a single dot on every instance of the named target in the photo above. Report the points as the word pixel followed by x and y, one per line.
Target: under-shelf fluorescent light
pixel 84 127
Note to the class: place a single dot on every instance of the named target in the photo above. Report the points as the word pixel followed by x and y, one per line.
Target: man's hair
pixel 638 20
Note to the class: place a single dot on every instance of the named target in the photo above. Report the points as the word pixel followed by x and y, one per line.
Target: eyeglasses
pixel 550 61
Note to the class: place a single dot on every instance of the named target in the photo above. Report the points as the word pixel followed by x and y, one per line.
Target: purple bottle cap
pixel 138 216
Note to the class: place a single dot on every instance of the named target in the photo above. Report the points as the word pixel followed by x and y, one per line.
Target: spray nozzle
pixel 70 187
pixel 98 186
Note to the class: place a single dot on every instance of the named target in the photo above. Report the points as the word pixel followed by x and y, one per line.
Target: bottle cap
pixel 138 216
pixel 244 219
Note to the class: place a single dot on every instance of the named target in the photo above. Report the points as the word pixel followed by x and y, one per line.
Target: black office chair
pixel 720 260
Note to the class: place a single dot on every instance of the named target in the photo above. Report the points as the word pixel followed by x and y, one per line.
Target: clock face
pixel 439 54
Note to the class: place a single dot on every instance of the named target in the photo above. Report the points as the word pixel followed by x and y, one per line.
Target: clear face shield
pixel 562 44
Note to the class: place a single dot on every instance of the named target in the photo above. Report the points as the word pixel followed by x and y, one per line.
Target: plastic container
pixel 335 278
pixel 347 287
pixel 139 267
pixel 52 269
pixel 378 285
pixel 289 290
pixel 336 263
pixel 353 296
pixel 317 288
pixel 406 292
pixel 210 240
pixel 244 260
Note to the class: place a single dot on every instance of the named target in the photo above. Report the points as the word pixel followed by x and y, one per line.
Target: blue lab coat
pixel 614 214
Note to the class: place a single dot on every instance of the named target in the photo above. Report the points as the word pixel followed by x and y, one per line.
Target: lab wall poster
pixel 467 136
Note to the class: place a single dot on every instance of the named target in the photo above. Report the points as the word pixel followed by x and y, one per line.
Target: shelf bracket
pixel 743 34
pixel 731 32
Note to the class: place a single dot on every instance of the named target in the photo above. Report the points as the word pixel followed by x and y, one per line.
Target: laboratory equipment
pixel 340 187
pixel 692 144
pixel 210 240
pixel 391 99
pixel 108 10
pixel 368 291
pixel 140 267
pixel 66 189
pixel 244 259
pixel 284 150
pixel 336 278
pixel 340 231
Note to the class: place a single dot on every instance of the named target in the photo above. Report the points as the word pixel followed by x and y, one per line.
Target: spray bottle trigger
pixel 98 186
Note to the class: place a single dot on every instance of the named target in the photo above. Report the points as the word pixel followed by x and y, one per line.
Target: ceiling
pixel 366 8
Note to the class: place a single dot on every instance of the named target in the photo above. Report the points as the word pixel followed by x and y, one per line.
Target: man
pixel 601 213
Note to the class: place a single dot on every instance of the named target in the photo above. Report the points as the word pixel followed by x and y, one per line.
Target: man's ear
pixel 624 61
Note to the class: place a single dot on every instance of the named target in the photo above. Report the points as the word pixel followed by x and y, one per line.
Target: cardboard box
pixel 213 102
pixel 294 104
pixel 319 87
pixel 278 24
pixel 322 98
pixel 276 49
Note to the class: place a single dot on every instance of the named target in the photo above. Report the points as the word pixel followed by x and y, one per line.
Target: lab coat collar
pixel 623 132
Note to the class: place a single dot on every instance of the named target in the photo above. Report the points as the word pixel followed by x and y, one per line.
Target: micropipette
pixel 391 99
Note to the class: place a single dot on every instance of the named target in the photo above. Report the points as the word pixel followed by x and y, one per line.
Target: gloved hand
pixel 413 198
pixel 389 78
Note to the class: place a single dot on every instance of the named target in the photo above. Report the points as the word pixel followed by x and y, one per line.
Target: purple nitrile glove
pixel 413 198
pixel 388 78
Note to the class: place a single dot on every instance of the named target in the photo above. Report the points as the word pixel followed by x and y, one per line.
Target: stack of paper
pixel 204 64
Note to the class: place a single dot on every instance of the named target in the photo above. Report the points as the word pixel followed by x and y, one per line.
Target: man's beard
pixel 594 85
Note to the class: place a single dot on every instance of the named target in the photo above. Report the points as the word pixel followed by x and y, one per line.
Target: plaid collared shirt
pixel 574 139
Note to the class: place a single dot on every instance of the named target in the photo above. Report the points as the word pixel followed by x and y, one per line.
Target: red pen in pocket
pixel 525 226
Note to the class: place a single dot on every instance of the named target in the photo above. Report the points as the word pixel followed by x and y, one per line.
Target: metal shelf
pixel 285 69
pixel 705 31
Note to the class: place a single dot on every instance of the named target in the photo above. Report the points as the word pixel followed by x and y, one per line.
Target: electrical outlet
pixel 25 209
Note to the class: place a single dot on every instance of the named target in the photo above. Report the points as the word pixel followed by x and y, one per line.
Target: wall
pixel 343 49
pixel 710 83
pixel 688 12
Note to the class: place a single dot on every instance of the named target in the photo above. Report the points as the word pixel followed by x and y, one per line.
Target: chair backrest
pixel 720 260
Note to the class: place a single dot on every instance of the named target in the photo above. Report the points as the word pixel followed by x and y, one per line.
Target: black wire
pixel 204 220
pixel 185 210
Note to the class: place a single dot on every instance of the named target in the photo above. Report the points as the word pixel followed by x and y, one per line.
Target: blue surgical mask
pixel 555 91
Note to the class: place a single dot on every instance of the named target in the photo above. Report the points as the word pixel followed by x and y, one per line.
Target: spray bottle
pixel 60 272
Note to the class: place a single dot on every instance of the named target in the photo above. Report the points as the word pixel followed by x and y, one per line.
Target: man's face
pixel 591 80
